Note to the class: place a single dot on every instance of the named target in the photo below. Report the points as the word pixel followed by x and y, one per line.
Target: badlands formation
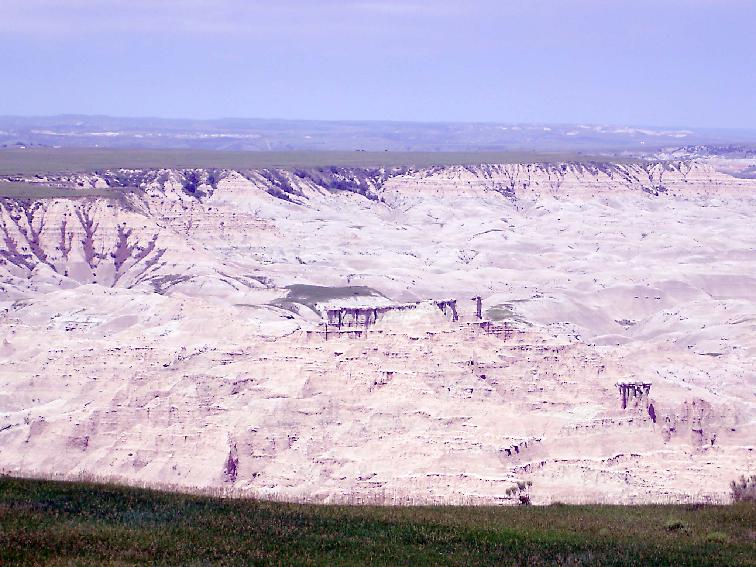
pixel 316 334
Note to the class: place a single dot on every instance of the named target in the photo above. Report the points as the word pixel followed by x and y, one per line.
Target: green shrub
pixel 520 489
pixel 717 537
pixel 744 489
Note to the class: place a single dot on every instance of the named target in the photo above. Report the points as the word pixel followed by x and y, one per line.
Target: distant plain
pixel 33 161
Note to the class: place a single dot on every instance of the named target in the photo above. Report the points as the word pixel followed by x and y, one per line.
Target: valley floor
pixel 57 523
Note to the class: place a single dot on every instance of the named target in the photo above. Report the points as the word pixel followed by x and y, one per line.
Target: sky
pixel 640 62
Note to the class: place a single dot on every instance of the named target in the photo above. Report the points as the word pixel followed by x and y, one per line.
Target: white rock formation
pixel 148 336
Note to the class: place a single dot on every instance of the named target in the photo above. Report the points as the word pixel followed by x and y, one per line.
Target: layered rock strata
pixel 156 334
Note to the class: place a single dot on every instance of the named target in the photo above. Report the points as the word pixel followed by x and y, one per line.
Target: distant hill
pixel 278 135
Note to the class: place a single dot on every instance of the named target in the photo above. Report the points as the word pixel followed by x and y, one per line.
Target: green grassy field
pixel 40 191
pixel 57 523
pixel 31 161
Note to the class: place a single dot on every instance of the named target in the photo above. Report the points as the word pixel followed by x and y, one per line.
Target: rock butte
pixel 235 330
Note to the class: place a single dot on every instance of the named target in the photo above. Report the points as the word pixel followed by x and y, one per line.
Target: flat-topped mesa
pixel 368 316
pixel 633 390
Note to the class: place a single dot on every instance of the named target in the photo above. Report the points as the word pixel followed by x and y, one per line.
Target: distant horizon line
pixel 375 121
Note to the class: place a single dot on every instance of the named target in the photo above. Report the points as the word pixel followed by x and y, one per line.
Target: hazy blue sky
pixel 646 62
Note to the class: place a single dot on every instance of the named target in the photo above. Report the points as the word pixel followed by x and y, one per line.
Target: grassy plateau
pixel 42 191
pixel 32 161
pixel 76 523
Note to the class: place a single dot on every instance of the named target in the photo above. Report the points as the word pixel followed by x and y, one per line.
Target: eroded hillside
pixel 168 326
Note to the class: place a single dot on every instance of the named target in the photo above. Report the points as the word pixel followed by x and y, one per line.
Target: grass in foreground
pixel 56 523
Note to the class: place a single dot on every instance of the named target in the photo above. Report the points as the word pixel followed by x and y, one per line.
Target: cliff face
pixel 149 330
